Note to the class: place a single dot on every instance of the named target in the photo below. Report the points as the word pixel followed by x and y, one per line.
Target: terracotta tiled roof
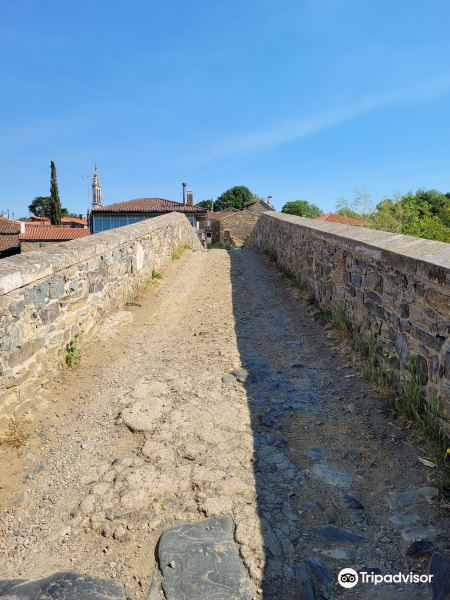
pixel 9 234
pixel 334 218
pixel 226 212
pixel 140 205
pixel 51 233
pixel 73 220
pixel 8 226
pixel 36 223
pixel 64 221
pixel 8 242
pixel 35 219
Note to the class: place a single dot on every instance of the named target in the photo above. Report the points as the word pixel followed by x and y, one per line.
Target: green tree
pixel 40 207
pixel 235 197
pixel 55 203
pixel 302 208
pixel 425 214
pixel 208 204
pixel 444 214
pixel 359 208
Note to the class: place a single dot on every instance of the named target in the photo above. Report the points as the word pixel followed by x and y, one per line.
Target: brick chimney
pixel 190 198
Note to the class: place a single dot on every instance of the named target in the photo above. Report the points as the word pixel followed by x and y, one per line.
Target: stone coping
pixel 373 242
pixel 23 269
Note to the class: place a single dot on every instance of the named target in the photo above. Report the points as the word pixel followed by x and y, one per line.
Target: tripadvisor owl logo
pixel 348 578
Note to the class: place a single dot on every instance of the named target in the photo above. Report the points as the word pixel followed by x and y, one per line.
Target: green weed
pixel 218 246
pixel 179 249
pixel 73 353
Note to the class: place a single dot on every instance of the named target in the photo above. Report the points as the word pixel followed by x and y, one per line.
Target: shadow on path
pixel 325 458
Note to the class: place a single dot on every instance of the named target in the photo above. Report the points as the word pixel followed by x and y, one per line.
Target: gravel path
pixel 218 395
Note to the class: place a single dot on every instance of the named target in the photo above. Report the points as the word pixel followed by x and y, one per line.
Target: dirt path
pixel 158 425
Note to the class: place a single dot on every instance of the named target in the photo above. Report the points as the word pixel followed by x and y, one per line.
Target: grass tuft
pixel 73 353
pixel 217 246
pixel 15 435
pixel 179 249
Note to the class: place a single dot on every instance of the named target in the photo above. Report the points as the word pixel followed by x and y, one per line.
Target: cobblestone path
pixel 219 395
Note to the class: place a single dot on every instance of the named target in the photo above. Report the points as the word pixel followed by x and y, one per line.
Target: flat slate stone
pixel 332 477
pixel 321 571
pixel 412 497
pixel 60 586
pixel 336 534
pixel 341 553
pixel 200 560
pixel 419 534
pixel 440 569
pixel 305 585
pixel 402 520
pixel 419 549
pixel 314 453
pixel 352 502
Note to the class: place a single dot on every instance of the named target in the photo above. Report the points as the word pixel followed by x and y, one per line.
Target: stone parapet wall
pixel 239 224
pixel 392 288
pixel 49 295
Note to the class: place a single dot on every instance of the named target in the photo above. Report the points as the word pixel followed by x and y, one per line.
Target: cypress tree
pixel 55 204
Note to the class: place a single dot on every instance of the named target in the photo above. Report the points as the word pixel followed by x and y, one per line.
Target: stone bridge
pixel 215 437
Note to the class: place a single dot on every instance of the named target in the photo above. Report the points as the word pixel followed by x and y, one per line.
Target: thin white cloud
pixel 301 128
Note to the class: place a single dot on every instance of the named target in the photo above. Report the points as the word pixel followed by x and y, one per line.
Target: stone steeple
pixel 96 190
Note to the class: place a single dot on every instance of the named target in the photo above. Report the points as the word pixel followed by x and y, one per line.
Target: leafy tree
pixel 425 213
pixel 444 214
pixel 359 208
pixel 40 207
pixel 235 197
pixel 208 204
pixel 302 208
pixel 55 203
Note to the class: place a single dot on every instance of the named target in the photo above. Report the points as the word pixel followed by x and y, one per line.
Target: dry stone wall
pixel 240 225
pixel 394 289
pixel 49 295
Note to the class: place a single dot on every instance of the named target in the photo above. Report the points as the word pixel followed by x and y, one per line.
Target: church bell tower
pixel 96 190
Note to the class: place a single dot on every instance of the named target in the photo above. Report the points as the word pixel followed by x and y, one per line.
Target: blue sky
pixel 300 99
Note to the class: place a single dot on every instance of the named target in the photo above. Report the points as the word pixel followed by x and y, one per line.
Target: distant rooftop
pixel 148 205
pixel 51 233
pixel 9 234
pixel 64 221
pixel 8 226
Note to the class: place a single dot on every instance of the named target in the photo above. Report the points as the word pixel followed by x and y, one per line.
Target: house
pixel 109 216
pixel 259 206
pixel 75 222
pixel 233 226
pixel 210 225
pixel 9 237
pixel 35 235
pixel 335 218
pixel 65 221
